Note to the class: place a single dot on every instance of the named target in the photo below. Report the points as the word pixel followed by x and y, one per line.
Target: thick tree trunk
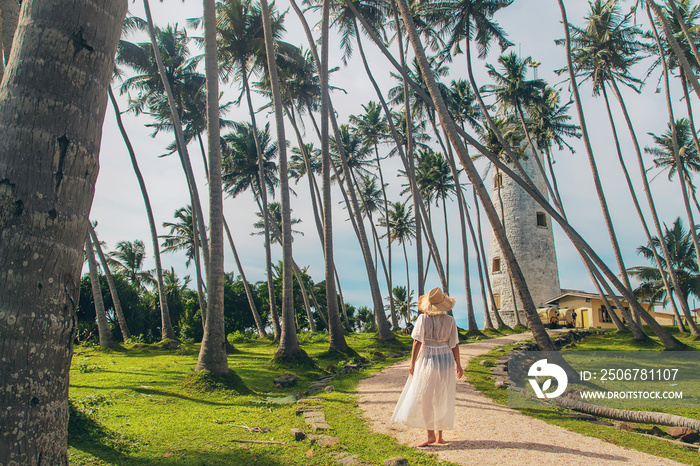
pixel 166 325
pixel 212 352
pixel 52 104
pixel 105 333
pixel 484 260
pixel 110 282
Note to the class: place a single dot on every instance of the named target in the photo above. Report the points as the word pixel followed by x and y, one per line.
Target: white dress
pixel 428 398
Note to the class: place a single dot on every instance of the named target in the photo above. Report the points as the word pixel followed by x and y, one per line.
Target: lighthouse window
pixel 498 180
pixel 496 266
pixel 497 300
pixel 541 220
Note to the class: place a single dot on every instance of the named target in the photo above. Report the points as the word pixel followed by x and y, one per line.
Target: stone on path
pixel 320 426
pixel 298 434
pixel 327 441
pixel 285 379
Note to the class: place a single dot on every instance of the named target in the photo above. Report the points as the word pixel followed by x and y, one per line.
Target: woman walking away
pixel 428 399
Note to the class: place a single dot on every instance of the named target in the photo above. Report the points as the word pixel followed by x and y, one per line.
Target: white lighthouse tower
pixel 529 231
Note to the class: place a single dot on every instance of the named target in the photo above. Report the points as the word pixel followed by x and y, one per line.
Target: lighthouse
pixel 529 231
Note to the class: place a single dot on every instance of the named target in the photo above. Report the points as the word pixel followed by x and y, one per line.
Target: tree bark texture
pixel 9 14
pixel 52 104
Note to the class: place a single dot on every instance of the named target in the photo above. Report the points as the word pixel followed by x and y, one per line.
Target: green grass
pixel 480 376
pixel 145 405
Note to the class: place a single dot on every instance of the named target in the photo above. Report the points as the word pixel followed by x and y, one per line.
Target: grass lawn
pixel 134 406
pixel 480 377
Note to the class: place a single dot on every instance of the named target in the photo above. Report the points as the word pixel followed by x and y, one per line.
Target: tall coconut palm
pixel 402 228
pixel 242 49
pixel 665 160
pixel 212 352
pixel 182 238
pixel 34 145
pixel 405 304
pixel 373 128
pixel 166 325
pixel 455 138
pixel 289 344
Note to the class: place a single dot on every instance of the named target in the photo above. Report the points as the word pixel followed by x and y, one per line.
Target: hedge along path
pixel 487 432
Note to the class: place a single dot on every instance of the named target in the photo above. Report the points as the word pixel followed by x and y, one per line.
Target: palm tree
pixel 402 228
pixel 33 140
pixel 182 237
pixel 404 303
pixel 110 282
pixel 242 48
pixel 166 326
pixel 664 157
pixel 105 333
pixel 684 262
pixel 128 259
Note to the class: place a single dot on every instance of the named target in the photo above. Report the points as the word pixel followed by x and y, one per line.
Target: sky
pixel 118 205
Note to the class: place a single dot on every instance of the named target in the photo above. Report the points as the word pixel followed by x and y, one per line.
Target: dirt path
pixel 487 433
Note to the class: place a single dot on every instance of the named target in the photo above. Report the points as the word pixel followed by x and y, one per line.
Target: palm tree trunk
pixel 104 331
pixel 52 104
pixel 201 298
pixel 166 325
pixel 179 136
pixel 262 186
pixel 112 287
pixel 289 344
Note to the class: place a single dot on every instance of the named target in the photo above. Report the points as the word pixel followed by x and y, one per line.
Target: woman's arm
pixel 414 354
pixel 455 353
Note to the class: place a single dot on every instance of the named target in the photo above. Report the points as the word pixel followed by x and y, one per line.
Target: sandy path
pixel 487 433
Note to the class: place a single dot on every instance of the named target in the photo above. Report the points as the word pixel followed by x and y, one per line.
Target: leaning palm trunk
pixel 110 282
pixel 103 329
pixel 448 124
pixel 166 326
pixel 289 344
pixel 642 417
pixel 52 104
pixel 179 136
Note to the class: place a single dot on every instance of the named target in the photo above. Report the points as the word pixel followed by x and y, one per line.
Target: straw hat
pixel 435 302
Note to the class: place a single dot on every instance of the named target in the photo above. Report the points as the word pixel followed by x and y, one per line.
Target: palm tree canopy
pixel 401 222
pixel 128 259
pixel 239 163
pixel 511 88
pixel 275 209
pixel 663 150
pixel 679 242
pixel 181 236
pixel 608 46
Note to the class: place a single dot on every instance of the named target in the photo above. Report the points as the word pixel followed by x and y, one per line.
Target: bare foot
pixel 427 442
pixel 440 441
